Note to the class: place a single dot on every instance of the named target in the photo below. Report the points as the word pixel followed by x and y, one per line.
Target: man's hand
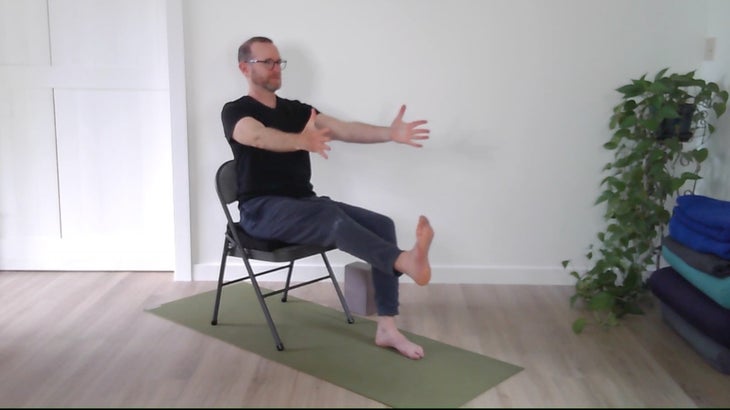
pixel 408 132
pixel 313 139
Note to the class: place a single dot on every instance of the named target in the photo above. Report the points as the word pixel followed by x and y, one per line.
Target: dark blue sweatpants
pixel 362 233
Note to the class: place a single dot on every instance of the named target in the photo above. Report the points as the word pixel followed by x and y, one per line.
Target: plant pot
pixel 678 127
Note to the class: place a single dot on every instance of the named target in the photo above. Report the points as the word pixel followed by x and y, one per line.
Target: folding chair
pixel 239 244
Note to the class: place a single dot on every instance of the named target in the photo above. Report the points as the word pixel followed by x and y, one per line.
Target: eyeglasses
pixel 269 63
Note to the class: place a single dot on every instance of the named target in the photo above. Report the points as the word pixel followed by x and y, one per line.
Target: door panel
pixel 28 182
pixel 85 139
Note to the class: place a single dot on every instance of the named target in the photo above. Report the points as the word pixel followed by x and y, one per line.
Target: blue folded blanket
pixel 708 216
pixel 691 238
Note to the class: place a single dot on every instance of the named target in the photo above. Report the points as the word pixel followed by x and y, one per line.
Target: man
pixel 271 139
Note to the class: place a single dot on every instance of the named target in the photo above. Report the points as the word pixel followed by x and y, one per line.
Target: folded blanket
pixel 716 355
pixel 716 289
pixel 706 210
pixel 717 232
pixel 704 262
pixel 689 237
pixel 691 304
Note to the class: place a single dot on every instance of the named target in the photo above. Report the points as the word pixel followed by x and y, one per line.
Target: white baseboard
pixel 505 275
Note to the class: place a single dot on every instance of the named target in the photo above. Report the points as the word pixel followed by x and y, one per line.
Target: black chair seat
pixel 272 250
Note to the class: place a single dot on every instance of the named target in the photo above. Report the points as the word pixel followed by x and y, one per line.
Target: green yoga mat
pixel 319 341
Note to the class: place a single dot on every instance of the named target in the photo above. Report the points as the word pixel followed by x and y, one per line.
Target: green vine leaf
pixel 578 325
pixel 658 88
pixel 610 145
pixel 687 176
pixel 668 111
pixel 602 301
pixel 700 155
pixel 660 74
pixel 630 90
pixel 628 122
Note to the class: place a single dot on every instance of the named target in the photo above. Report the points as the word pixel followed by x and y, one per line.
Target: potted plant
pixel 652 162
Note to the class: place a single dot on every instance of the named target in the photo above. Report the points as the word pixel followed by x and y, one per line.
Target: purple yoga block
pixel 359 291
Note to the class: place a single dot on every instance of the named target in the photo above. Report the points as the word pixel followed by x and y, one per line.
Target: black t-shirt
pixel 262 172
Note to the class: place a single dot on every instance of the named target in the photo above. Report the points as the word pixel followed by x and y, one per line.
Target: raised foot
pixel 420 267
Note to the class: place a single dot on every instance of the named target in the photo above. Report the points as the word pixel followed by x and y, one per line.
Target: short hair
pixel 244 51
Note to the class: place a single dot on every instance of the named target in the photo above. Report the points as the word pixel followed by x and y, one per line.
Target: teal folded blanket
pixel 717 289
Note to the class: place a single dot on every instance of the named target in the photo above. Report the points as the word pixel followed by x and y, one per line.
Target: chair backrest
pixel 226 187
pixel 225 182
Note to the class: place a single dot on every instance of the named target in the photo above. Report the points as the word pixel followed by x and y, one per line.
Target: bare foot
pixel 388 335
pixel 414 262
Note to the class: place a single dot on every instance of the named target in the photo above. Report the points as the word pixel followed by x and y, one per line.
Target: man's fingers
pixel 401 112
pixel 323 151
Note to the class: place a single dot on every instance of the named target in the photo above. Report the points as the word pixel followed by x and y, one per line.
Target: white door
pixel 85 140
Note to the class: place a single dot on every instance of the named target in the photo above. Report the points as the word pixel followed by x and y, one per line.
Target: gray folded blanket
pixel 705 262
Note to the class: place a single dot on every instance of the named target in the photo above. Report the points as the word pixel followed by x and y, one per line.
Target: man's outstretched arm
pixel 399 131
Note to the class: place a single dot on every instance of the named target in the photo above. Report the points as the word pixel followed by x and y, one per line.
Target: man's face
pixel 260 74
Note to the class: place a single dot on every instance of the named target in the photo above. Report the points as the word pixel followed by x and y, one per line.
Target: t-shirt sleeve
pixel 230 115
pixel 289 116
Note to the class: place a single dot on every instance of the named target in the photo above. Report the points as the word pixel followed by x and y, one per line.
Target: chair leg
pixel 220 283
pixel 264 307
pixel 288 282
pixel 337 289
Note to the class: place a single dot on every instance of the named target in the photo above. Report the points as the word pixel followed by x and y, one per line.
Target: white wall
pixel 518 95
pixel 715 171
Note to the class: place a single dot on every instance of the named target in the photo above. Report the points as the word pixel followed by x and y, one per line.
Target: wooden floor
pixel 83 339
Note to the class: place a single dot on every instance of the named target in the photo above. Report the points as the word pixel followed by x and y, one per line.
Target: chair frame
pixel 239 244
